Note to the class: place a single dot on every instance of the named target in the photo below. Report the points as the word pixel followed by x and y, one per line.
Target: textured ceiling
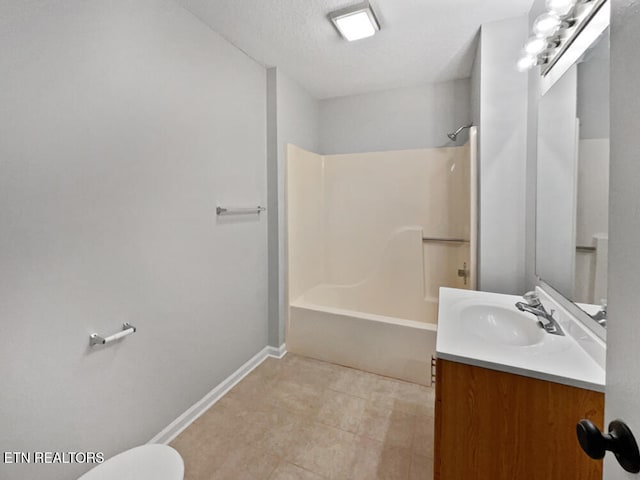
pixel 421 41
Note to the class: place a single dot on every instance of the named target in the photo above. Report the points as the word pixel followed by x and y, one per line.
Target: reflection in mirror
pixel 593 175
pixel 573 182
pixel 557 173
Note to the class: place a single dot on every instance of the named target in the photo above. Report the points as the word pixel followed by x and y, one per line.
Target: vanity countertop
pixel 486 330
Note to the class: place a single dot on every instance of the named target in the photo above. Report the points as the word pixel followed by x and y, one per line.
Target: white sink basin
pixel 500 325
pixel 488 331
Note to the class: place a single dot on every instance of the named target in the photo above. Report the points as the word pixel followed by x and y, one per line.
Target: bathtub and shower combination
pixel 371 239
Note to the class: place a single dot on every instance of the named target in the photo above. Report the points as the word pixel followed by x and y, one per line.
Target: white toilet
pixel 147 462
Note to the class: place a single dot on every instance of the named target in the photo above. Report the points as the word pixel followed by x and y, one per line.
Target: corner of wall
pixel 293 118
pixel 273 232
pixel 503 156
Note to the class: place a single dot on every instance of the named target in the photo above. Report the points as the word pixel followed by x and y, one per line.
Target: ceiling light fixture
pixel 356 22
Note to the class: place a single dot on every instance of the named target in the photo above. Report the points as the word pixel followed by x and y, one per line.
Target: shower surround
pixel 363 280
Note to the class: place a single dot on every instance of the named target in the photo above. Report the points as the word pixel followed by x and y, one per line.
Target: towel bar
pixel 239 211
pixel 95 339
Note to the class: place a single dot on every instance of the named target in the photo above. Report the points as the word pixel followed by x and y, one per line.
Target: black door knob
pixel 619 440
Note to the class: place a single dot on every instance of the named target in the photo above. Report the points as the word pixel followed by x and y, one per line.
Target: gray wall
pixel 403 118
pixel 503 141
pixel 475 84
pixel 123 124
pixel 293 118
pixel 623 328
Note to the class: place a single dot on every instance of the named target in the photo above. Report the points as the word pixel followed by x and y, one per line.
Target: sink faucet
pixel 601 315
pixel 535 307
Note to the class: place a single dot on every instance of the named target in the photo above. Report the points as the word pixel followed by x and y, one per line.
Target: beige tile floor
pixel 302 419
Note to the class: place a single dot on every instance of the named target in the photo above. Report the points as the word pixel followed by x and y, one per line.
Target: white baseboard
pixel 277 352
pixel 187 418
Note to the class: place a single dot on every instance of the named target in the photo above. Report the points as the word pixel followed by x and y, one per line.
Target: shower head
pixel 454 135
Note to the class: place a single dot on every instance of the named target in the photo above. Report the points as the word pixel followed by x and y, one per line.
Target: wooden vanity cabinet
pixel 499 426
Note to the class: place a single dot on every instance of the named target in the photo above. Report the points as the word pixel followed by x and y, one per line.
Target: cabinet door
pixel 498 426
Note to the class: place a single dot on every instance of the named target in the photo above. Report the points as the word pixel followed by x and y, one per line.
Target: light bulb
pixel 546 25
pixel 535 45
pixel 561 8
pixel 526 62
pixel 356 26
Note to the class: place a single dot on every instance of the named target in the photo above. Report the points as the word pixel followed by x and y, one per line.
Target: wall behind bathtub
pixel 306 246
pixel 123 124
pixel 353 217
pixel 368 197
pixel 397 119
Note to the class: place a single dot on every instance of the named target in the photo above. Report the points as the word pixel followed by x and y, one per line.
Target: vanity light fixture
pixel 536 45
pixel 527 62
pixel 561 8
pixel 356 22
pixel 554 30
pixel 546 25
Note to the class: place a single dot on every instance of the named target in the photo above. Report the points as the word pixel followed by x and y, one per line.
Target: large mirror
pixel 573 181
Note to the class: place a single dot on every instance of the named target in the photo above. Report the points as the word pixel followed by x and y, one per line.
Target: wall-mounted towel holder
pixel 239 211
pixel 95 339
pixel 443 240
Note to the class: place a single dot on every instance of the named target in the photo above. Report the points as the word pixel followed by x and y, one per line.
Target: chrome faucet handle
pixel 547 319
pixel 531 298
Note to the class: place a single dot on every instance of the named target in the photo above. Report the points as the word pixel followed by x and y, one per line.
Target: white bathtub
pixel 384 327
pixel 389 346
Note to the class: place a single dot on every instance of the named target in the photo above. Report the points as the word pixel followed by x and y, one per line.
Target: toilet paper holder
pixel 95 339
